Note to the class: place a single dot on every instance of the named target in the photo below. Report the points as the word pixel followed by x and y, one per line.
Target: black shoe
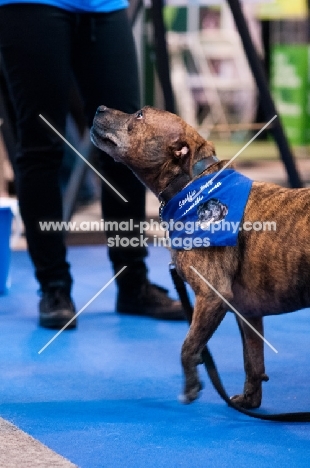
pixel 149 300
pixel 56 309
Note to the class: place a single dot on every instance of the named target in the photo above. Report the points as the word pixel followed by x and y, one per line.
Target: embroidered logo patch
pixel 208 211
pixel 212 211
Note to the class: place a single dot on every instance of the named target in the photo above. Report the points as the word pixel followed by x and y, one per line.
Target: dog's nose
pixel 101 109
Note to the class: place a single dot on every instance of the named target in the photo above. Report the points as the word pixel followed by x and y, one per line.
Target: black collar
pixel 182 180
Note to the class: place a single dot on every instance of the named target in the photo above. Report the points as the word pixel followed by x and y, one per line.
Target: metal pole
pixel 266 98
pixel 161 51
pixel 133 10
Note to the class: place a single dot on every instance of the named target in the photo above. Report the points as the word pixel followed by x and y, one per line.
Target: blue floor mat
pixel 105 395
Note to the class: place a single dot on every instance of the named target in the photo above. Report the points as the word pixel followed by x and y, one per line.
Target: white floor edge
pixel 18 449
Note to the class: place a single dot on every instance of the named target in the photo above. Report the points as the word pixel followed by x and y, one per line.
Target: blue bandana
pixel 208 212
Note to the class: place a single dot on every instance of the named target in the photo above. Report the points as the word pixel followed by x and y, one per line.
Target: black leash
pixel 212 370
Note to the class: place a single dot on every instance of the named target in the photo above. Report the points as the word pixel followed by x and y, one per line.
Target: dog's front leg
pixel 207 316
pixel 253 355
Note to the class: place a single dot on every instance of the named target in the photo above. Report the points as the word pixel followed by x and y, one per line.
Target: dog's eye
pixel 139 115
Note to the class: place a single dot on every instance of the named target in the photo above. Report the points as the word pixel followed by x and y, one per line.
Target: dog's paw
pixel 191 395
pixel 246 401
pixel 252 393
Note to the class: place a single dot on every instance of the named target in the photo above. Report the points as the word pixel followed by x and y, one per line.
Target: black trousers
pixel 42 47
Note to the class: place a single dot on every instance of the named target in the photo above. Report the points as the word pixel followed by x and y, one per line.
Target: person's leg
pixel 107 71
pixel 35 49
pixel 109 75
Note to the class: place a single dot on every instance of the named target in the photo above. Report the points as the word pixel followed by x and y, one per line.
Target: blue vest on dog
pixel 208 211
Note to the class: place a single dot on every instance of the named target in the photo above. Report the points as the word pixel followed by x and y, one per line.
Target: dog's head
pixel 155 144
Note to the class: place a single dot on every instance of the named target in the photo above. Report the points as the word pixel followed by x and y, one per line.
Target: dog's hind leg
pixel 204 323
pixel 253 355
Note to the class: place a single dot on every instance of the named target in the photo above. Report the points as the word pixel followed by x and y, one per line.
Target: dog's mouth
pixel 100 140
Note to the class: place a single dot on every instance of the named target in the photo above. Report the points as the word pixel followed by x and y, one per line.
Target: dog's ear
pixel 181 153
pixel 180 149
pixel 187 152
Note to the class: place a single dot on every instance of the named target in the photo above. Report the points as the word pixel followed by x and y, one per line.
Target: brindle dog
pixel 268 272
